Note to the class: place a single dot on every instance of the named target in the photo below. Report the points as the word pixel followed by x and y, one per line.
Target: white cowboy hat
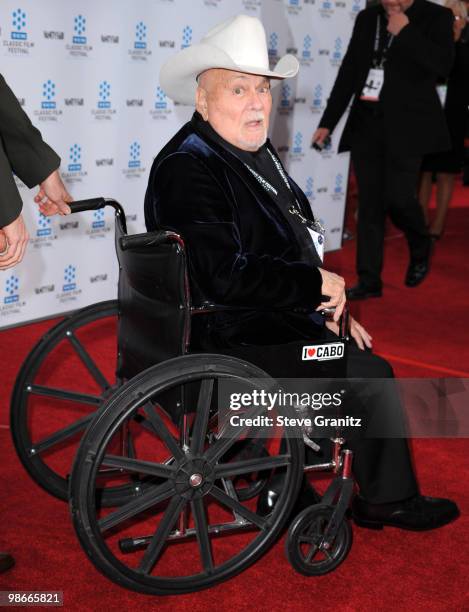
pixel 238 44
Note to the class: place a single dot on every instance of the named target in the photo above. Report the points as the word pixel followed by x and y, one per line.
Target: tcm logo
pixel 104 95
pixel 70 273
pixel 98 278
pixel 186 37
pixel 160 101
pixel 273 45
pixel 294 2
pixel 356 6
pixel 74 101
pixel 337 53
pixel 298 143
pixel 134 161
pixel 43 226
pixel 12 285
pixel 48 95
pixel 317 96
pixel 323 352
pixel 309 188
pixel 79 28
pixel 140 36
pixel 339 184
pixel 327 5
pixel 98 219
pixel 19 25
pixel 285 96
pixel 75 158
pixel 307 44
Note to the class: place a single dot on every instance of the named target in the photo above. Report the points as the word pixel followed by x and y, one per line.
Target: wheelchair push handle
pixel 95 204
pixel 89 204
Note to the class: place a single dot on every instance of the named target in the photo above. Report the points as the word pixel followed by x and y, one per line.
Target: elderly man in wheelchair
pixel 226 287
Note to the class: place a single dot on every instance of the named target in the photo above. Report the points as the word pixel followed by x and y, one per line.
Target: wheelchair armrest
pixel 149 239
pixel 209 307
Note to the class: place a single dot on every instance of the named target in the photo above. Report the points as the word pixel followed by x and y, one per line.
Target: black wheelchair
pixel 158 481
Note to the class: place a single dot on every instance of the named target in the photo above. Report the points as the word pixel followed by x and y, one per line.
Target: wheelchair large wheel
pixel 188 530
pixel 63 382
pixel 305 547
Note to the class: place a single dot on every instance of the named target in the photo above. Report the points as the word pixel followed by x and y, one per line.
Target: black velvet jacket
pixel 243 251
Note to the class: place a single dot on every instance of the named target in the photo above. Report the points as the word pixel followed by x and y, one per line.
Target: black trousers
pixel 387 183
pixel 382 467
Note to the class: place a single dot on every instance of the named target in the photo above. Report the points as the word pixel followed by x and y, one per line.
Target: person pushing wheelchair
pixel 252 245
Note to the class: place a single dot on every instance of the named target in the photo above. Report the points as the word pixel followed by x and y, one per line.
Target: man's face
pixel 396 6
pixel 237 106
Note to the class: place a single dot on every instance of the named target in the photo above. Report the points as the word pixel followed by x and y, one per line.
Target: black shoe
pixel 269 496
pixel 416 272
pixel 360 292
pixel 419 268
pixel 6 562
pixel 418 513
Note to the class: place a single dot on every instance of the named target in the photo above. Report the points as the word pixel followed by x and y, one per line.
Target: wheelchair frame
pixel 323 527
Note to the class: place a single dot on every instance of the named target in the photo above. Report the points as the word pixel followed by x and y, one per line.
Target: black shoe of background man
pixel 361 292
pixel 6 562
pixel 270 494
pixel 419 268
pixel 418 513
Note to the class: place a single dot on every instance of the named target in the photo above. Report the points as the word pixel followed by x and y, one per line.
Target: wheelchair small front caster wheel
pixel 305 547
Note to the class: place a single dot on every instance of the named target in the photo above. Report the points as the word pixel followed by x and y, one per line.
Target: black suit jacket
pixel 242 251
pixel 22 151
pixel 422 51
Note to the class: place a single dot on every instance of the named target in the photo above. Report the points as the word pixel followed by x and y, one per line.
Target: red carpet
pixel 423 331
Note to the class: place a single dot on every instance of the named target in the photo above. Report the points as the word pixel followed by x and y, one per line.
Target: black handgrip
pixel 90 204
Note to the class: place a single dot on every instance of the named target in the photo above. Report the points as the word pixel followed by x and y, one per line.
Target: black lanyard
pixel 294 209
pixel 376 47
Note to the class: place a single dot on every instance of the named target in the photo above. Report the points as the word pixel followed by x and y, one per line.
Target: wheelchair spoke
pixel 142 467
pixel 158 541
pixel 60 436
pixel 145 501
pixel 73 396
pixel 88 361
pixel 164 433
pixel 311 552
pixel 205 547
pixel 202 416
pixel 230 436
pixel 250 465
pixel 237 507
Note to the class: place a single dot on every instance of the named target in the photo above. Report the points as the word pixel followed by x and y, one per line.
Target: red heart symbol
pixel 311 352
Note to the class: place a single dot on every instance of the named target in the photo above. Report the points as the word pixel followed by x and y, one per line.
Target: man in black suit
pixel 23 152
pixel 397 51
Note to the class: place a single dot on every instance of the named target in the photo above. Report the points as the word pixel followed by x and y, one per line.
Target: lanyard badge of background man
pixel 375 78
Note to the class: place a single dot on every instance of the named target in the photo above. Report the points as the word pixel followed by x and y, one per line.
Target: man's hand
pixel 320 135
pixel 333 286
pixel 52 196
pixel 17 237
pixel 357 331
pixel 3 243
pixel 396 21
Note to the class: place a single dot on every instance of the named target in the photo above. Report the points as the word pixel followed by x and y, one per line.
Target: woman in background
pixel 455 99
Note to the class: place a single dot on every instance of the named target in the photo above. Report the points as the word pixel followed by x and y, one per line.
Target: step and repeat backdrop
pixel 86 72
